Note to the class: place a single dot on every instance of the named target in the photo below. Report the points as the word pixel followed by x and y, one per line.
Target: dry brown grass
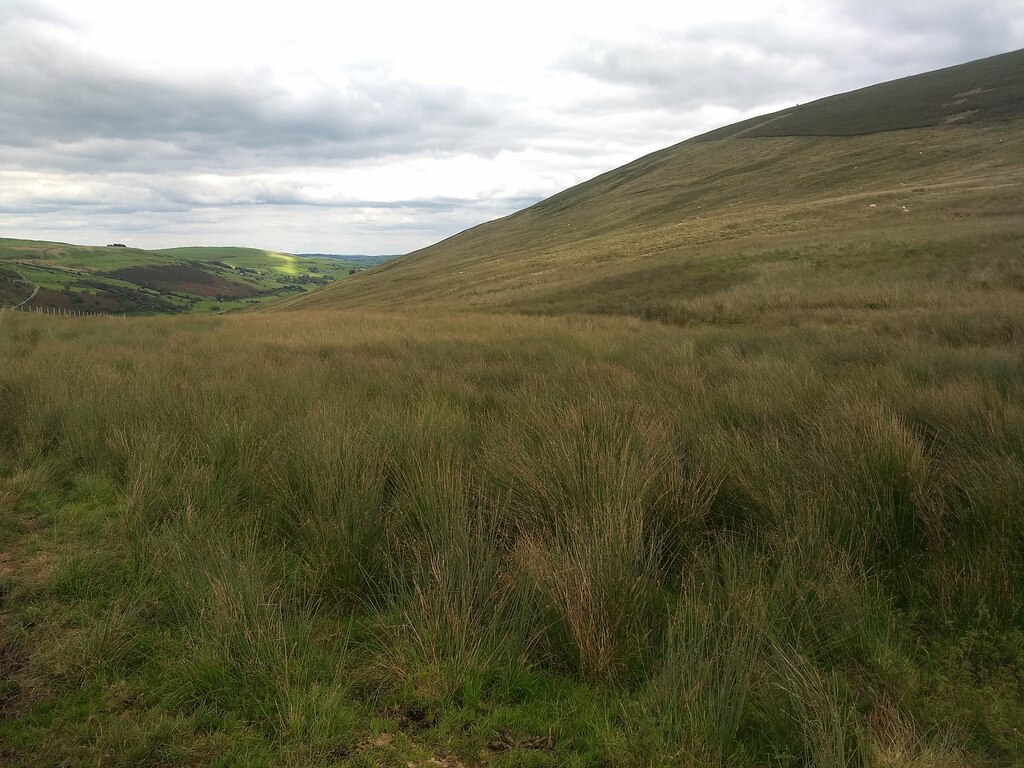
pixel 712 222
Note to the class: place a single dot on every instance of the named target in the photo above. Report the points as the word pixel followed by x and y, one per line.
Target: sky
pixel 378 128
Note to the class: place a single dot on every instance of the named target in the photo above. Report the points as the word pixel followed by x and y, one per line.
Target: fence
pixel 59 312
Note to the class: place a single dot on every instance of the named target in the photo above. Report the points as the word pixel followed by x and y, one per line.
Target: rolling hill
pixel 889 182
pixel 776 524
pixel 117 279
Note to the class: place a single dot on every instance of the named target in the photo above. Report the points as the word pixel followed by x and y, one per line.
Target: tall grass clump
pixel 602 519
pixel 237 640
pixel 822 710
pixel 458 605
pixel 701 689
pixel 330 499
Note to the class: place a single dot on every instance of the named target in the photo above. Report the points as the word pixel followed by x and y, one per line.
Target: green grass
pixel 271 262
pixel 510 540
pixel 133 281
pixel 730 222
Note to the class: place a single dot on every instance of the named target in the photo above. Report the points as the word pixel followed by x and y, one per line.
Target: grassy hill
pixel 749 216
pixel 119 280
pixel 976 93
pixel 511 523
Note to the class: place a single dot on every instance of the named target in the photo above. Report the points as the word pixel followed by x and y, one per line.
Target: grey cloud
pixel 898 39
pixel 30 11
pixel 124 194
pixel 68 109
pixel 368 228
pixel 697 69
pixel 940 27
pixel 745 66
pixel 130 149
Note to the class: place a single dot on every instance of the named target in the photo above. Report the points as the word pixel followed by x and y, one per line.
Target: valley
pixel 120 280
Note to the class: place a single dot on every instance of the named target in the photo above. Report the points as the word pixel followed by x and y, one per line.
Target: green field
pixel 115 280
pixel 716 459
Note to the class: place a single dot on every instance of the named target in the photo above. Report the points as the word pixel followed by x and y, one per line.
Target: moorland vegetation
pixel 612 481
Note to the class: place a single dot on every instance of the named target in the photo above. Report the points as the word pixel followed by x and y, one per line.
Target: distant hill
pixel 915 174
pixel 118 279
pixel 354 257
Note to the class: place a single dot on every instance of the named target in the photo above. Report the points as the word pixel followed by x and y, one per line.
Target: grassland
pixel 721 219
pixel 717 459
pixel 503 540
pixel 117 280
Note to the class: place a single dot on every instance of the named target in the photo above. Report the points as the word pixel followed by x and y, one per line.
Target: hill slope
pixel 734 217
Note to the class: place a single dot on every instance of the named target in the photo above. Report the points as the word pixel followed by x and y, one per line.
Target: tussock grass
pixel 702 691
pixel 281 536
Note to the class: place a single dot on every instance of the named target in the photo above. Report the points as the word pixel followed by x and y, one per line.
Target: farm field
pixel 117 280
pixel 716 459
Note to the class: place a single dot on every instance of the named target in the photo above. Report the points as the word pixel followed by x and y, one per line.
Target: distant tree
pixel 116 245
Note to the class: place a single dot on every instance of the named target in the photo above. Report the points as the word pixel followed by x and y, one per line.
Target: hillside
pixel 775 525
pixel 108 279
pixel 745 214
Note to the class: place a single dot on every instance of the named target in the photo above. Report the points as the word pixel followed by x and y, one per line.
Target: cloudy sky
pixel 310 126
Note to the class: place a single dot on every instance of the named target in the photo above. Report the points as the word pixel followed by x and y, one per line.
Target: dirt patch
pixel 448 761
pixel 384 740
pixel 185 278
pixel 410 718
pixel 8 567
pixel 960 117
pixel 505 741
